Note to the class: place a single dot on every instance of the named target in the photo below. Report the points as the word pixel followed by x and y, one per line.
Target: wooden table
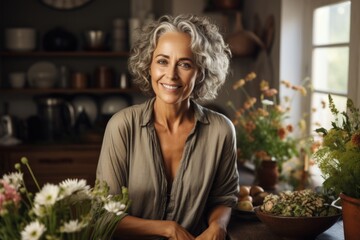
pixel 253 229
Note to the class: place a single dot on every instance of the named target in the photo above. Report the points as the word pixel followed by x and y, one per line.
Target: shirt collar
pixel 147 118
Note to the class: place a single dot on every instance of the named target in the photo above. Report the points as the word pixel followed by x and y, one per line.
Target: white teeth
pixel 169 86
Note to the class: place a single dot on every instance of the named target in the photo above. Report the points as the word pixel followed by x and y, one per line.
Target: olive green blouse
pixel 207 175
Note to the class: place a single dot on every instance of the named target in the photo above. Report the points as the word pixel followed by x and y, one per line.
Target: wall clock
pixel 65 4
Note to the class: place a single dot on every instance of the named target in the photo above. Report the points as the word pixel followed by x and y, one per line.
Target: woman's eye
pixel 162 61
pixel 185 65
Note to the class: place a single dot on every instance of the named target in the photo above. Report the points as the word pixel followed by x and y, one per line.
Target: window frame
pixel 354 49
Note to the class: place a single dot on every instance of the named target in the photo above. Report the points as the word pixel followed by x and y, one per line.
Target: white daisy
pixel 48 195
pixel 15 179
pixel 72 226
pixel 39 210
pixel 115 207
pixel 33 231
pixel 267 102
pixel 70 186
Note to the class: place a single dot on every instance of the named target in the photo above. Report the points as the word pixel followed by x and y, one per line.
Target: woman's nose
pixel 172 72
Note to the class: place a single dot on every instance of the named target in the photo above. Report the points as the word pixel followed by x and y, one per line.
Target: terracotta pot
pixel 242 42
pixel 351 216
pixel 228 4
pixel 268 174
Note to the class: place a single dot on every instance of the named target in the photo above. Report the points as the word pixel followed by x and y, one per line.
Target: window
pixel 330 56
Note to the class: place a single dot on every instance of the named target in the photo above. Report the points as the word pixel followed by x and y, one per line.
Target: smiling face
pixel 173 70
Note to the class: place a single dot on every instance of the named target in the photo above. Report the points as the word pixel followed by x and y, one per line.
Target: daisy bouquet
pixel 68 210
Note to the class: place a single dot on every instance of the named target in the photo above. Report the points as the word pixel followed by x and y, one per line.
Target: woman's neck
pixel 172 116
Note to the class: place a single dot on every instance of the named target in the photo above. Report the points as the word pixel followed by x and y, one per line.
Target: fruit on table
pixel 255 190
pixel 245 205
pixel 250 196
pixel 244 191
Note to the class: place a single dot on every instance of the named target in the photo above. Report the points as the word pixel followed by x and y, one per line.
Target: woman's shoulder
pixel 132 114
pixel 216 118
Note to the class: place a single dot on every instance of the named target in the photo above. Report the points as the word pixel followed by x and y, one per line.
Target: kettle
pixel 7 126
pixel 57 118
pixel 8 130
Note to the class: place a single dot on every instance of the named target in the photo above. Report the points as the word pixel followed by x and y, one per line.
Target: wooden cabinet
pixel 53 164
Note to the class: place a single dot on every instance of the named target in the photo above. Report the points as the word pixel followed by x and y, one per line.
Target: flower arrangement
pixel 262 130
pixel 68 210
pixel 339 155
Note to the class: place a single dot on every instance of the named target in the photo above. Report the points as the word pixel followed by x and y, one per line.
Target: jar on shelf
pixel 119 35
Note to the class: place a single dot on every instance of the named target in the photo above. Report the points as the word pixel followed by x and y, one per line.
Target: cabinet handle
pixel 55 161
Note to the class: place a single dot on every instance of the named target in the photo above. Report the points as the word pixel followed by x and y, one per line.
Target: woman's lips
pixel 170 87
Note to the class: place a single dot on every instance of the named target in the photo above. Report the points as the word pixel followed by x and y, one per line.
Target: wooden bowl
pixel 297 227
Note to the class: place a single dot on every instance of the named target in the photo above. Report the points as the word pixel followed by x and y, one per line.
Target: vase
pixel 243 42
pixel 267 174
pixel 351 216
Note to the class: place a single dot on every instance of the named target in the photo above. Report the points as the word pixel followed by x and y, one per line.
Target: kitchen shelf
pixel 65 54
pixel 34 91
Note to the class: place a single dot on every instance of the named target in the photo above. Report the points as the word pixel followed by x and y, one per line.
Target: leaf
pixel 321 130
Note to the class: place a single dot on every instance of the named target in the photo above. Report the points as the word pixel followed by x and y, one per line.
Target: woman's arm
pixel 137 228
pixel 218 220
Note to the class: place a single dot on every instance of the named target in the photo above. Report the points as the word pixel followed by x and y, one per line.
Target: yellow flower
pixel 264 85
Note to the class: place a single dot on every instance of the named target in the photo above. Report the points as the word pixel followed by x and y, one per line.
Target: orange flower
pixel 279 109
pixel 270 92
pixel 262 112
pixel 262 155
pixel 239 84
pixel 251 76
pixel 323 104
pixel 249 103
pixel 355 139
pixel 250 126
pixel 286 83
pixel 239 112
pixel 289 128
pixel 281 133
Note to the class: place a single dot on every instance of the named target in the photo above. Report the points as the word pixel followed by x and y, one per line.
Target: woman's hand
pixel 177 232
pixel 213 232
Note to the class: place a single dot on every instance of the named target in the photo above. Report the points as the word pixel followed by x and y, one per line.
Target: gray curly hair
pixel 212 55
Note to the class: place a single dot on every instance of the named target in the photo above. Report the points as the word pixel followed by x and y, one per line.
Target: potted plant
pixel 339 161
pixel 263 134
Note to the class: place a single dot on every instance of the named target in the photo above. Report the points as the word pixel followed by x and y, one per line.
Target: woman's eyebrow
pixel 180 59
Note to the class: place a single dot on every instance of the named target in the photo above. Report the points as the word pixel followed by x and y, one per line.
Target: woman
pixel 177 158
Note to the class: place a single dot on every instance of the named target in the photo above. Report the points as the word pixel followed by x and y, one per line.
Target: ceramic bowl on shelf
pixel 297 227
pixel 20 39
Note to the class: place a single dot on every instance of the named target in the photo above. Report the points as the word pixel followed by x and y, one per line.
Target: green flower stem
pixel 25 161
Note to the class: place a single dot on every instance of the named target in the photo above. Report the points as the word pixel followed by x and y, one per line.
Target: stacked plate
pixel 42 75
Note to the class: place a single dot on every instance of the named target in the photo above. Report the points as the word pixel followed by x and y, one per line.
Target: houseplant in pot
pixel 339 160
pixel 264 136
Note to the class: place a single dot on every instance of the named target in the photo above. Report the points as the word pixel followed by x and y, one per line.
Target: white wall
pixel 291 51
